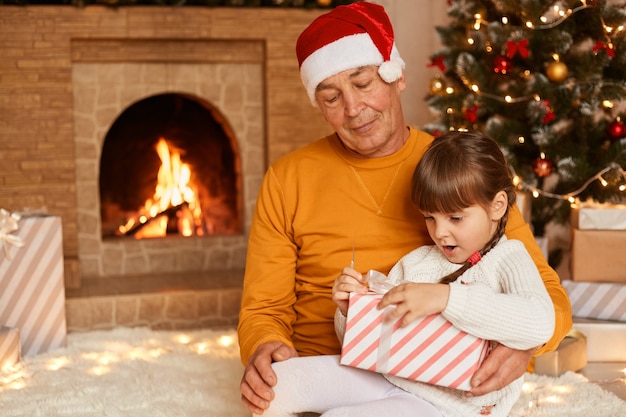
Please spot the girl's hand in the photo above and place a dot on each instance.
(414, 300)
(349, 281)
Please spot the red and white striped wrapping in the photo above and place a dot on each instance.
(597, 300)
(428, 350)
(9, 347)
(32, 293)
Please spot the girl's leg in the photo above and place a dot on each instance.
(319, 383)
(398, 404)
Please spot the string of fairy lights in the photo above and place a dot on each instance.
(571, 197)
(558, 70)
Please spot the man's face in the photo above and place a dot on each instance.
(364, 110)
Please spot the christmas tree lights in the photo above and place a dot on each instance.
(547, 80)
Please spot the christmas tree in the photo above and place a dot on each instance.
(547, 80)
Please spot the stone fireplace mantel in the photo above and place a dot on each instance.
(50, 142)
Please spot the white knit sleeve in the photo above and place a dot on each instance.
(503, 298)
(340, 325)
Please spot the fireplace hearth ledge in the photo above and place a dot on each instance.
(173, 301)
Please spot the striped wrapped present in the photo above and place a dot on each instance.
(9, 347)
(32, 293)
(597, 300)
(429, 350)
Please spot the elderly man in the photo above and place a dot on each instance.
(345, 198)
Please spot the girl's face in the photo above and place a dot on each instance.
(459, 235)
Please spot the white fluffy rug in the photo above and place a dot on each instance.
(139, 372)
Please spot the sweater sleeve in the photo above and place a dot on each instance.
(267, 312)
(518, 314)
(340, 325)
(518, 229)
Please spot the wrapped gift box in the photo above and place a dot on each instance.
(606, 340)
(429, 350)
(598, 255)
(597, 300)
(597, 216)
(571, 355)
(32, 295)
(9, 347)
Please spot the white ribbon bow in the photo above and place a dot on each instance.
(8, 225)
(379, 282)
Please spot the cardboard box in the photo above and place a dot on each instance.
(597, 300)
(606, 340)
(32, 295)
(599, 217)
(429, 350)
(571, 355)
(598, 255)
(10, 352)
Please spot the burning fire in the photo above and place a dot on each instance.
(174, 204)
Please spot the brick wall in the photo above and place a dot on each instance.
(37, 152)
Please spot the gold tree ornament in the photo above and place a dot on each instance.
(557, 71)
(436, 86)
(324, 3)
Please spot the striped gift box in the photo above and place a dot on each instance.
(32, 294)
(429, 350)
(597, 300)
(9, 347)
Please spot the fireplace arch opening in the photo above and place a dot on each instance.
(170, 166)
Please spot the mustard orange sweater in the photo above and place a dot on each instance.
(313, 206)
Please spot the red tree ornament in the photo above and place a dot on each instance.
(471, 114)
(616, 129)
(437, 61)
(542, 166)
(549, 116)
(436, 133)
(501, 65)
(517, 47)
(608, 48)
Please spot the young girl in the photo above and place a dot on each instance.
(478, 280)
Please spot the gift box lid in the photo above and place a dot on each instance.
(597, 216)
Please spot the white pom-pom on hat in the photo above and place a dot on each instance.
(390, 71)
(347, 37)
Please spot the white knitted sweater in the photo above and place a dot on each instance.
(502, 298)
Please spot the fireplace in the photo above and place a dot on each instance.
(79, 70)
(170, 166)
(209, 113)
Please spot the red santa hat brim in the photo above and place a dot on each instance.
(347, 37)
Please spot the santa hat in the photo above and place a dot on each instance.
(347, 37)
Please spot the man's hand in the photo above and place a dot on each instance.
(502, 366)
(259, 377)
